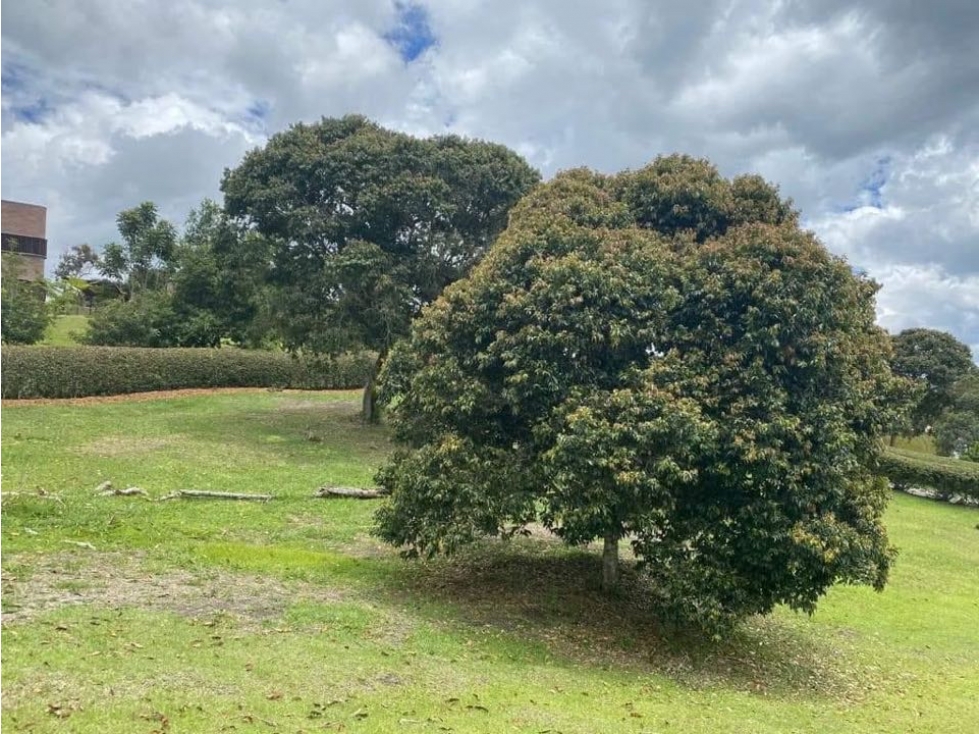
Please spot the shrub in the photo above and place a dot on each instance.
(70, 372)
(947, 477)
(146, 320)
(23, 313)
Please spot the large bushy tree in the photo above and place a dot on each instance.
(367, 225)
(662, 357)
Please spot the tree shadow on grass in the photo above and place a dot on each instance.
(547, 595)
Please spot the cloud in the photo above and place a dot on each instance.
(866, 113)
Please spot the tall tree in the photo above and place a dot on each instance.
(935, 360)
(144, 258)
(712, 390)
(368, 225)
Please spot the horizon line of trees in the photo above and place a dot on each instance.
(334, 236)
(661, 357)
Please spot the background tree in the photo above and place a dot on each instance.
(201, 288)
(710, 387)
(144, 259)
(219, 289)
(23, 311)
(936, 360)
(367, 225)
(80, 261)
(956, 431)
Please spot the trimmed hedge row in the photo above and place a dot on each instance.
(74, 372)
(947, 477)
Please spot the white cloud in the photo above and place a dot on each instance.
(107, 103)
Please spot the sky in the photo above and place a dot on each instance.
(865, 112)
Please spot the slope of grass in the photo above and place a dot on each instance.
(921, 444)
(66, 330)
(123, 614)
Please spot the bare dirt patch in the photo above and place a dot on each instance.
(116, 580)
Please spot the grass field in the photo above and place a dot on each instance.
(127, 615)
(921, 444)
(65, 330)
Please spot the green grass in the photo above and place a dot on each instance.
(65, 330)
(287, 616)
(920, 444)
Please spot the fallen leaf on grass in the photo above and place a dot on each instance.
(56, 709)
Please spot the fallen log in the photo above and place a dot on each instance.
(194, 494)
(351, 493)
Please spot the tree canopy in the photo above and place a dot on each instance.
(367, 225)
(144, 258)
(956, 430)
(662, 357)
(936, 360)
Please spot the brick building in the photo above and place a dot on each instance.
(23, 230)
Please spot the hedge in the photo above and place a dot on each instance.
(72, 372)
(947, 477)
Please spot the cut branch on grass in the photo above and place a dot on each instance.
(128, 492)
(80, 544)
(350, 493)
(194, 494)
(38, 495)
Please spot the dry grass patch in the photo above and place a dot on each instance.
(122, 580)
(115, 446)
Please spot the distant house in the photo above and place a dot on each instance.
(23, 230)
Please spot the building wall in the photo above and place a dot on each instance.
(23, 229)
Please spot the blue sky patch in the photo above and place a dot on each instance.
(259, 110)
(413, 35)
(874, 183)
(871, 191)
(23, 103)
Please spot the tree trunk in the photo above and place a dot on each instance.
(610, 563)
(893, 439)
(370, 411)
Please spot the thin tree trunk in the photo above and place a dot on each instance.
(370, 409)
(893, 439)
(610, 563)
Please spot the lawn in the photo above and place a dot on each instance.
(128, 615)
(65, 330)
